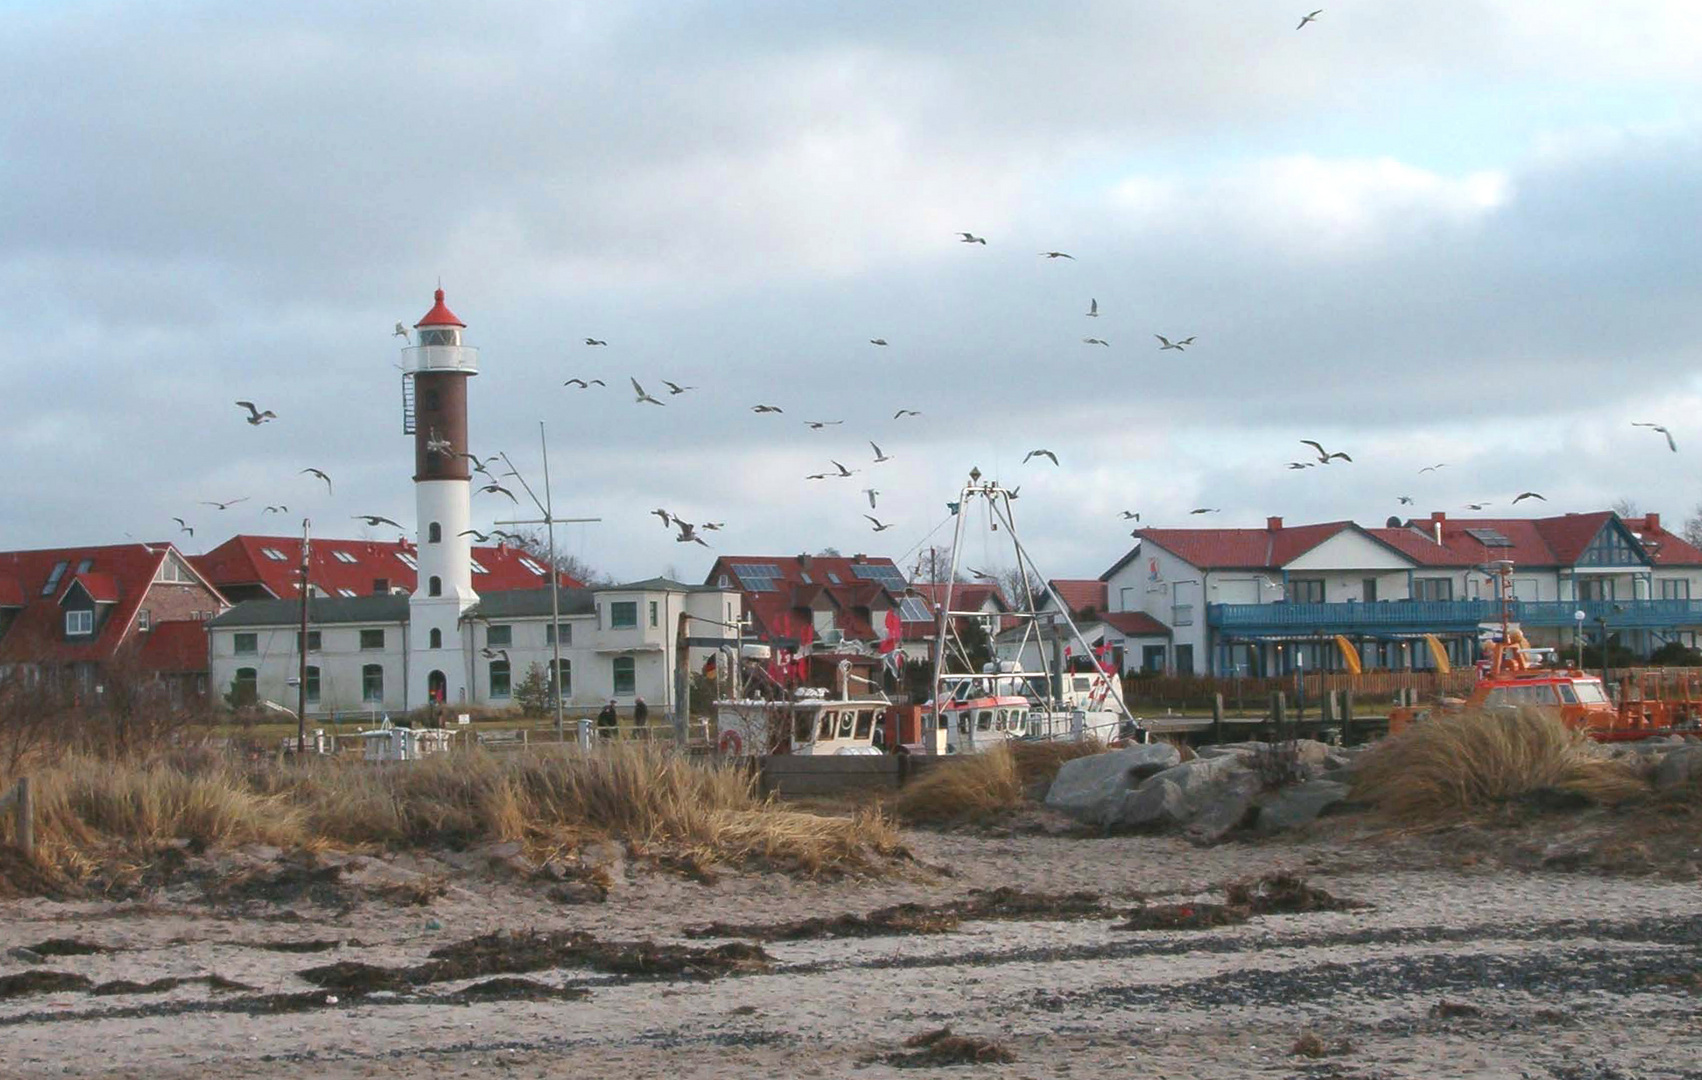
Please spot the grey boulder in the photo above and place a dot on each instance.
(1681, 765)
(1092, 788)
(1298, 804)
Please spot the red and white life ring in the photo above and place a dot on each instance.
(731, 743)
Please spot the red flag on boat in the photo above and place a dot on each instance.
(894, 631)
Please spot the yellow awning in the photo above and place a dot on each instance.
(1350, 655)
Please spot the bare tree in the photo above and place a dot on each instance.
(1018, 585)
(1625, 507)
(1692, 530)
(537, 545)
(933, 566)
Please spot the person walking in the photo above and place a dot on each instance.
(608, 721)
(640, 716)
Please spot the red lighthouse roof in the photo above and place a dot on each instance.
(440, 315)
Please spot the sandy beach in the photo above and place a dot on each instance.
(1457, 965)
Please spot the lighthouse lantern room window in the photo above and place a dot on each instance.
(440, 335)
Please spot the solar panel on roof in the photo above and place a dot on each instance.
(887, 576)
(913, 609)
(758, 577)
(1489, 537)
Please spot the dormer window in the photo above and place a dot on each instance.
(79, 623)
(440, 335)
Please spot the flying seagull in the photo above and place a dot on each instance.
(478, 466)
(766, 408)
(816, 476)
(224, 505)
(817, 425)
(582, 384)
(1166, 343)
(1058, 255)
(491, 654)
(1406, 500)
(982, 574)
(1527, 495)
(1479, 506)
(667, 519)
(1309, 18)
(871, 493)
(902, 413)
(1040, 453)
(1656, 427)
(971, 238)
(594, 341)
(1131, 514)
(436, 444)
(375, 520)
(877, 341)
(400, 331)
(843, 471)
(183, 526)
(1433, 468)
(688, 533)
(1301, 464)
(879, 457)
(497, 489)
(255, 416)
(319, 473)
(713, 526)
(475, 534)
(1206, 510)
(1092, 308)
(280, 509)
(878, 526)
(642, 396)
(676, 388)
(1095, 341)
(1324, 457)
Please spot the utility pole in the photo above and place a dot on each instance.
(301, 650)
(549, 522)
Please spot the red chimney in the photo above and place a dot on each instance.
(1438, 516)
(1651, 521)
(1273, 524)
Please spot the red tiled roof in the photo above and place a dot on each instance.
(11, 591)
(118, 573)
(1666, 548)
(174, 646)
(964, 597)
(1242, 549)
(439, 315)
(101, 587)
(1079, 595)
(1550, 541)
(242, 561)
(802, 579)
(1135, 624)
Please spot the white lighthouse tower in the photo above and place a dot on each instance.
(439, 366)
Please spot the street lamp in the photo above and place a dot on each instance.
(1578, 636)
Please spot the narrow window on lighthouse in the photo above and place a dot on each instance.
(435, 587)
(437, 639)
(434, 533)
(432, 403)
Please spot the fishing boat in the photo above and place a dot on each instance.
(769, 716)
(976, 710)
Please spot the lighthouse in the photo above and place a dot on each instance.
(439, 365)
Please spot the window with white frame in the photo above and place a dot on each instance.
(79, 622)
(245, 644)
(274, 554)
(344, 557)
(477, 569)
(1675, 588)
(532, 566)
(144, 619)
(408, 560)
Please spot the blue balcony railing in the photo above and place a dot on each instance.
(1450, 615)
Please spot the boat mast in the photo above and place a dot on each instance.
(945, 609)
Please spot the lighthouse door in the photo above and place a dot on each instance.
(437, 687)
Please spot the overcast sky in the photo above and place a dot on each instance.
(1448, 231)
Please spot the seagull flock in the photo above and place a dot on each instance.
(688, 532)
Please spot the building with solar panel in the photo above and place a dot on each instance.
(1403, 596)
(838, 603)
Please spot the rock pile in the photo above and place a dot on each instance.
(1263, 786)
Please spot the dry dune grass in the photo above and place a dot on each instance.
(986, 784)
(92, 811)
(1453, 765)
